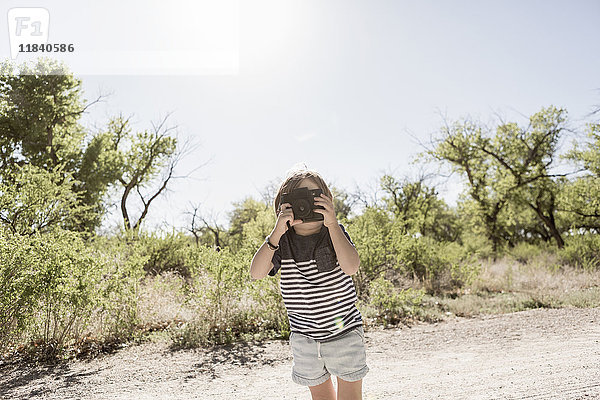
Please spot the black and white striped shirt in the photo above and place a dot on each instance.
(318, 295)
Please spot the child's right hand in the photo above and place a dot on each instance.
(285, 214)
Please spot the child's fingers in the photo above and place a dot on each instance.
(325, 196)
(323, 204)
(322, 200)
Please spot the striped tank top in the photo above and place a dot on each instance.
(319, 297)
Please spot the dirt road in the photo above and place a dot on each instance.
(536, 354)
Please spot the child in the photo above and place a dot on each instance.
(316, 260)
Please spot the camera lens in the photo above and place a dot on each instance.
(303, 208)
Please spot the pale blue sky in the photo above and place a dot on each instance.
(344, 84)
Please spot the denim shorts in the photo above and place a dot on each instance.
(315, 361)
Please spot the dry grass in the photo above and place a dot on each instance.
(508, 285)
(503, 286)
(161, 299)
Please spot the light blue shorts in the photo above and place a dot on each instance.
(315, 361)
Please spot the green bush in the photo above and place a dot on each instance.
(375, 235)
(19, 285)
(581, 251)
(524, 252)
(462, 263)
(441, 266)
(394, 305)
(117, 314)
(228, 304)
(54, 287)
(49, 286)
(166, 253)
(477, 244)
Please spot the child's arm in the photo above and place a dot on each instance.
(261, 262)
(346, 253)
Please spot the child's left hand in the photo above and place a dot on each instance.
(328, 213)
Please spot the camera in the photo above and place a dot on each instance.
(303, 204)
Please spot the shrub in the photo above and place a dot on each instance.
(117, 314)
(441, 266)
(477, 244)
(49, 286)
(375, 235)
(581, 251)
(55, 286)
(228, 304)
(166, 253)
(394, 305)
(524, 252)
(19, 285)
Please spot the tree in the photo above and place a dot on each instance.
(419, 209)
(35, 200)
(511, 166)
(40, 106)
(342, 203)
(243, 213)
(208, 230)
(139, 160)
(581, 197)
(459, 147)
(525, 157)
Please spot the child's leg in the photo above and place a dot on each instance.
(349, 390)
(324, 391)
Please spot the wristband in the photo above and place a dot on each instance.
(268, 242)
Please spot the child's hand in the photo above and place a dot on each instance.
(328, 213)
(285, 214)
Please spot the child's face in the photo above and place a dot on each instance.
(310, 185)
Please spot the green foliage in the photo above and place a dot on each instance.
(219, 280)
(508, 168)
(49, 285)
(580, 198)
(33, 199)
(582, 251)
(124, 269)
(589, 155)
(19, 285)
(166, 252)
(255, 231)
(228, 304)
(441, 266)
(394, 305)
(374, 234)
(244, 212)
(341, 203)
(54, 139)
(54, 136)
(419, 210)
(135, 161)
(54, 286)
(524, 252)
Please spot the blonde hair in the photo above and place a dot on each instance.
(294, 176)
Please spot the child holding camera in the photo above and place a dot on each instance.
(316, 257)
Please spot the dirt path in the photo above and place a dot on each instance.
(537, 354)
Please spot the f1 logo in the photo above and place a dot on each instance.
(27, 25)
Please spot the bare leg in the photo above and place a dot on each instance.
(324, 391)
(349, 390)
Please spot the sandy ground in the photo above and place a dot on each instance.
(536, 354)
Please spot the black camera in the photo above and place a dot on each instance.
(303, 204)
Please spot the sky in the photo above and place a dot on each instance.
(351, 88)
